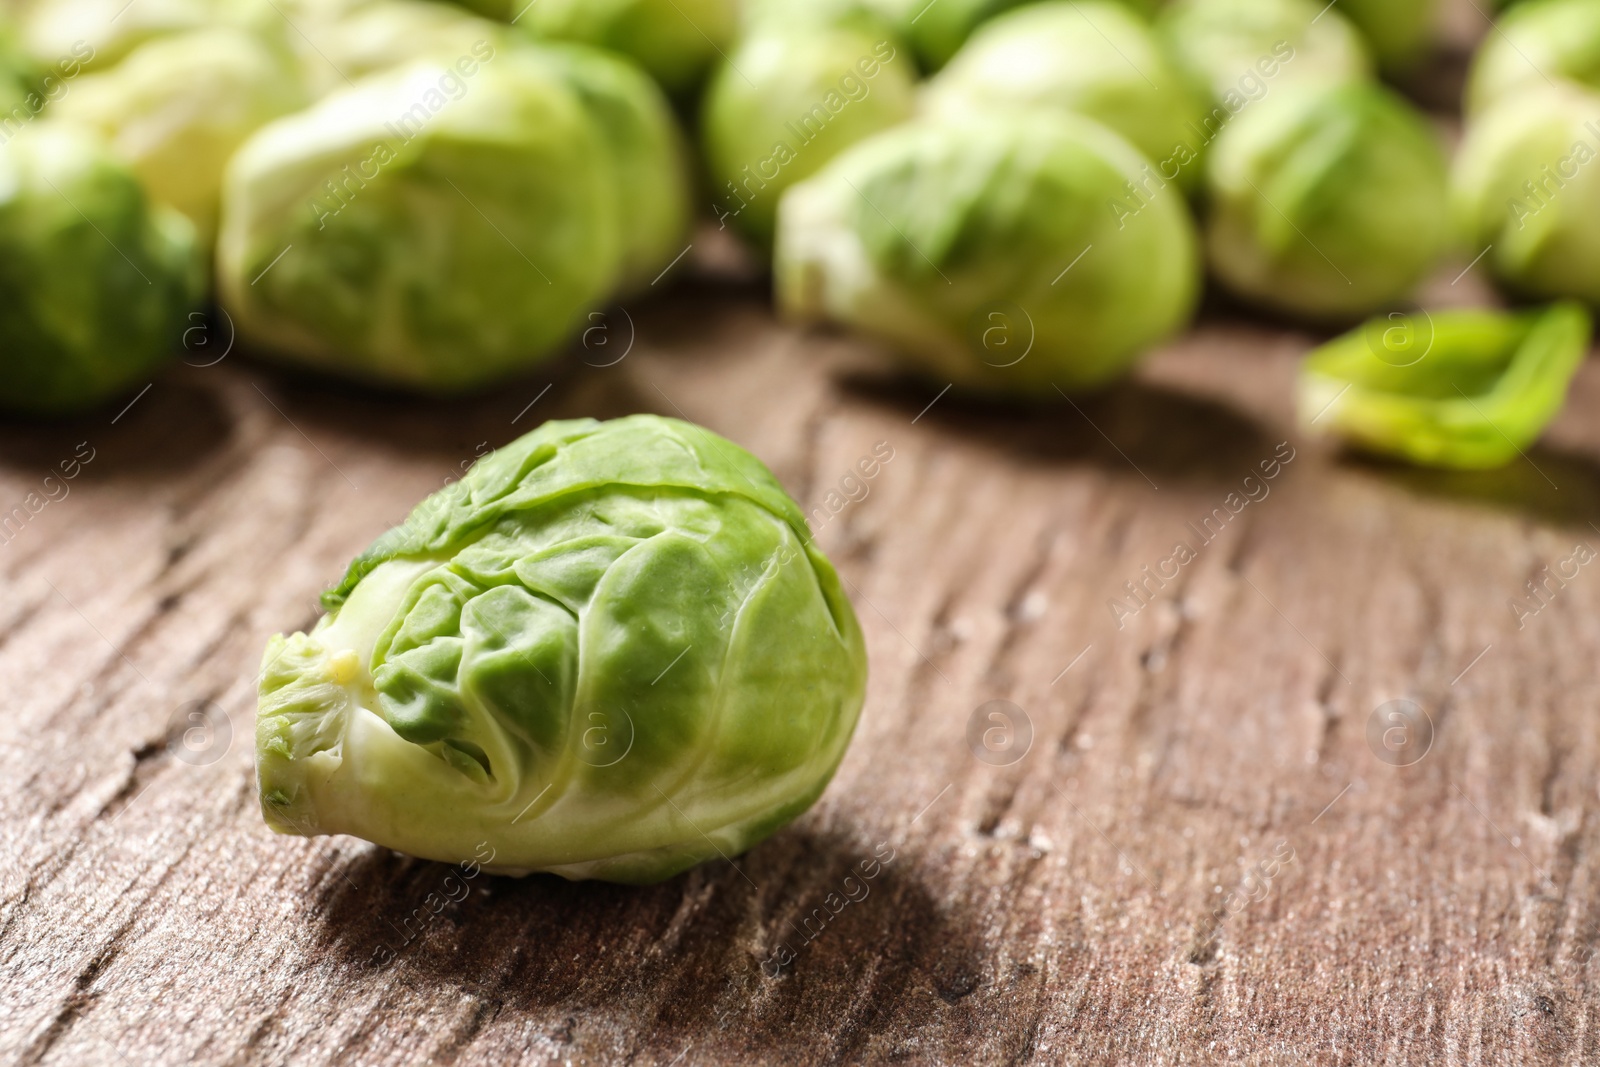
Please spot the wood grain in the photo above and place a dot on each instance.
(1199, 858)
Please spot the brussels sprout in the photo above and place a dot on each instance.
(1326, 202)
(28, 87)
(648, 155)
(97, 282)
(18, 76)
(1094, 58)
(676, 41)
(789, 100)
(609, 652)
(1465, 389)
(1010, 254)
(341, 41)
(177, 107)
(1540, 42)
(936, 30)
(1241, 49)
(1397, 30)
(1527, 189)
(95, 34)
(434, 227)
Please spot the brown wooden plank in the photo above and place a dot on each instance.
(1065, 908)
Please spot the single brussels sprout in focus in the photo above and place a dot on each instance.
(1540, 42)
(1236, 51)
(434, 227)
(1008, 254)
(1398, 30)
(1464, 389)
(787, 101)
(648, 154)
(1527, 188)
(177, 107)
(97, 282)
(675, 41)
(610, 651)
(1326, 202)
(1093, 58)
(345, 40)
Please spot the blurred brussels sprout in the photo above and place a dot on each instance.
(609, 652)
(18, 76)
(1466, 389)
(177, 107)
(1539, 41)
(1234, 50)
(434, 227)
(98, 282)
(94, 34)
(28, 87)
(1526, 183)
(936, 31)
(787, 101)
(341, 41)
(649, 157)
(1008, 254)
(1397, 30)
(676, 41)
(1326, 201)
(1095, 58)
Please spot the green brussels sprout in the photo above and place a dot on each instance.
(341, 41)
(789, 100)
(1326, 201)
(27, 86)
(1465, 389)
(648, 153)
(1398, 30)
(676, 41)
(1527, 189)
(984, 252)
(1540, 41)
(936, 31)
(177, 107)
(1094, 58)
(18, 74)
(610, 651)
(1238, 50)
(433, 227)
(98, 282)
(95, 34)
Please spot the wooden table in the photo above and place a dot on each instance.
(1327, 798)
(1207, 852)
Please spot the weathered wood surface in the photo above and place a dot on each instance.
(1091, 902)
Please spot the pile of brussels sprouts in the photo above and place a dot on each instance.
(1018, 198)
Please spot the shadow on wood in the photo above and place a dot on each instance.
(1557, 487)
(1133, 430)
(168, 431)
(796, 936)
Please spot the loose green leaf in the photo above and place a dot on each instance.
(1463, 389)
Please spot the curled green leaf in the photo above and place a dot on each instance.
(1465, 389)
